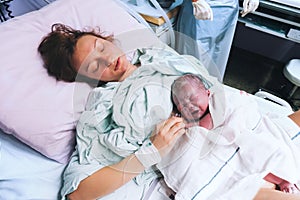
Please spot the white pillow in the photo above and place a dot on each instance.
(34, 107)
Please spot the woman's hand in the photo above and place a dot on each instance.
(167, 133)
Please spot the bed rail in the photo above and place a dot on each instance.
(273, 98)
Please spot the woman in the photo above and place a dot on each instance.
(96, 57)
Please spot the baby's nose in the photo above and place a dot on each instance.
(190, 106)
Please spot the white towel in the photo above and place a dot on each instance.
(234, 169)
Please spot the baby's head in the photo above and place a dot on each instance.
(190, 97)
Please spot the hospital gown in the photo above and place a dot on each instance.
(120, 116)
(230, 161)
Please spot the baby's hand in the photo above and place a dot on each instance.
(289, 187)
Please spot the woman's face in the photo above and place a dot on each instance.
(99, 59)
(191, 102)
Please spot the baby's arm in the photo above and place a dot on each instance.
(288, 187)
(284, 185)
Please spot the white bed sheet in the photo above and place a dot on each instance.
(25, 173)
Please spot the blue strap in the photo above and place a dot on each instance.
(295, 136)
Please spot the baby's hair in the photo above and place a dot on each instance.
(191, 79)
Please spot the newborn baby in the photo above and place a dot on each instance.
(192, 101)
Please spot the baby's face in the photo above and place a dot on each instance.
(191, 102)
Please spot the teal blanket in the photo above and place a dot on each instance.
(120, 116)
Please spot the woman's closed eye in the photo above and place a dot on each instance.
(99, 46)
(93, 67)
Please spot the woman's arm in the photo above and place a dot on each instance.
(107, 179)
(110, 178)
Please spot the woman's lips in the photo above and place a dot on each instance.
(117, 66)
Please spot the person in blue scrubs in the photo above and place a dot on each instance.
(206, 30)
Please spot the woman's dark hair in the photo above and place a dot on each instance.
(57, 49)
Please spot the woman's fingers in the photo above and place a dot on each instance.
(178, 129)
(171, 122)
(180, 132)
(167, 134)
(171, 128)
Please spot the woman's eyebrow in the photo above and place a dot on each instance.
(95, 46)
(95, 43)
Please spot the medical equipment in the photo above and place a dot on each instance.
(38, 114)
(292, 72)
(148, 155)
(276, 17)
(272, 31)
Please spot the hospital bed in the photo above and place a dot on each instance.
(37, 113)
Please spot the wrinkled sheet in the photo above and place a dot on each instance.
(121, 116)
(230, 161)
